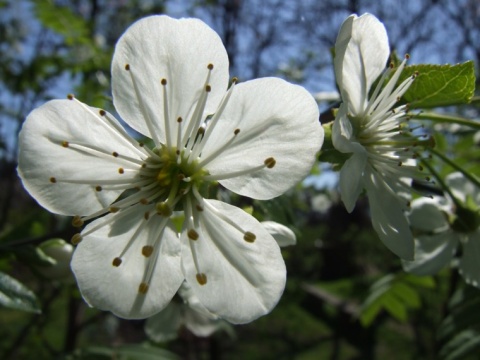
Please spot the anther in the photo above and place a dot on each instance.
(164, 82)
(210, 66)
(198, 207)
(98, 188)
(192, 234)
(208, 88)
(146, 216)
(270, 162)
(407, 56)
(236, 131)
(179, 120)
(163, 209)
(121, 171)
(249, 237)
(76, 239)
(114, 154)
(116, 262)
(53, 180)
(70, 96)
(141, 144)
(113, 209)
(65, 144)
(102, 112)
(234, 80)
(143, 288)
(77, 221)
(147, 250)
(143, 201)
(127, 67)
(202, 279)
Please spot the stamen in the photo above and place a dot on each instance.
(220, 150)
(201, 278)
(192, 234)
(211, 124)
(116, 262)
(147, 250)
(76, 239)
(100, 153)
(163, 209)
(197, 116)
(249, 237)
(268, 163)
(77, 221)
(143, 108)
(143, 288)
(166, 116)
(179, 134)
(53, 180)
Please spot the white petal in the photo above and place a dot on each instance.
(427, 215)
(159, 47)
(462, 187)
(116, 288)
(191, 300)
(362, 60)
(341, 43)
(342, 132)
(388, 218)
(42, 156)
(282, 234)
(244, 280)
(276, 119)
(165, 325)
(200, 324)
(469, 263)
(432, 253)
(351, 184)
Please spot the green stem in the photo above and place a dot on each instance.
(454, 165)
(439, 118)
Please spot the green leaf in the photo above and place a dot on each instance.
(439, 85)
(395, 294)
(465, 343)
(15, 295)
(63, 21)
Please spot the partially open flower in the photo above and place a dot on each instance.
(372, 128)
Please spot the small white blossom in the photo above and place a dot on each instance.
(170, 83)
(438, 238)
(370, 127)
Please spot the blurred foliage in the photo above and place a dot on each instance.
(346, 296)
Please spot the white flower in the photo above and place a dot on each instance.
(370, 128)
(439, 237)
(170, 83)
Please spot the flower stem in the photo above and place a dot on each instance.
(439, 118)
(457, 167)
(442, 183)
